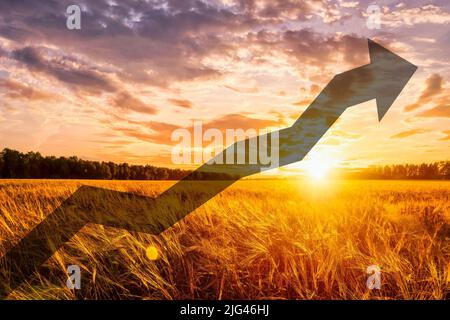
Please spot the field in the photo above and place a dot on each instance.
(258, 239)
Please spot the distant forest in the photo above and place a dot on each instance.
(32, 165)
(433, 171)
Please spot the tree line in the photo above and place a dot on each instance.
(32, 165)
(434, 171)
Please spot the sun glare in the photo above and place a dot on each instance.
(318, 168)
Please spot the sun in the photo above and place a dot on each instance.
(318, 168)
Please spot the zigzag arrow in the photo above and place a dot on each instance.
(382, 79)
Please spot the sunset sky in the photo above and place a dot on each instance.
(137, 70)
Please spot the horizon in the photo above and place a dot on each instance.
(319, 172)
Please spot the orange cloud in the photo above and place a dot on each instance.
(181, 103)
(154, 132)
(447, 133)
(17, 90)
(239, 121)
(127, 102)
(408, 133)
(440, 111)
(432, 89)
(160, 133)
(304, 102)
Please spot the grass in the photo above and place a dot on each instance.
(256, 240)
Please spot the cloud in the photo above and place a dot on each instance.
(152, 131)
(433, 88)
(17, 90)
(63, 69)
(154, 43)
(125, 101)
(447, 137)
(408, 133)
(167, 41)
(435, 93)
(306, 46)
(313, 91)
(246, 90)
(160, 132)
(429, 14)
(440, 111)
(278, 10)
(301, 103)
(239, 121)
(181, 103)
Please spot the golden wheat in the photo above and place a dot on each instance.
(256, 240)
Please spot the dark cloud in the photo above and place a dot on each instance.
(156, 42)
(76, 76)
(306, 46)
(433, 88)
(436, 94)
(127, 102)
(162, 42)
(276, 10)
(28, 56)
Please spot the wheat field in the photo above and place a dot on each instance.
(259, 239)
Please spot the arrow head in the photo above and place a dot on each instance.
(392, 72)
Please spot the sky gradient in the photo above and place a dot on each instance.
(137, 70)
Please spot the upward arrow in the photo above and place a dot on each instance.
(382, 79)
